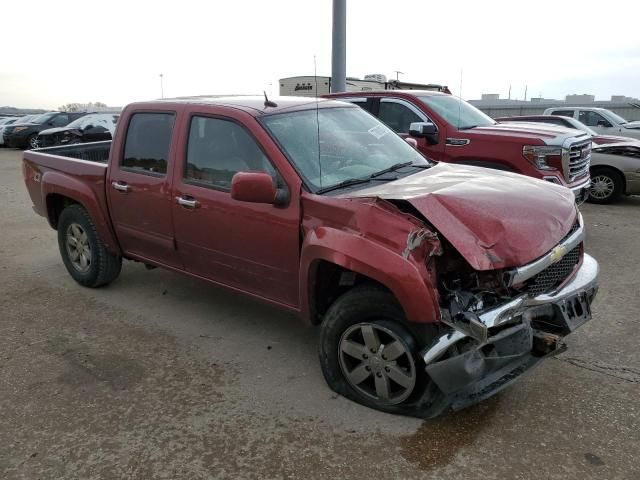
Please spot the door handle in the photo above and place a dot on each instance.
(121, 187)
(188, 202)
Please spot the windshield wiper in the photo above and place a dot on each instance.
(393, 167)
(467, 127)
(373, 177)
(353, 181)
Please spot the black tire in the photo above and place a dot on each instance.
(103, 267)
(32, 141)
(607, 186)
(369, 304)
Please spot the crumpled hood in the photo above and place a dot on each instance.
(494, 219)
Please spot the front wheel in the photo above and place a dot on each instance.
(369, 356)
(606, 186)
(33, 142)
(84, 255)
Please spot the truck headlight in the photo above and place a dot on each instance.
(540, 155)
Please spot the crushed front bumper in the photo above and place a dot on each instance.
(520, 334)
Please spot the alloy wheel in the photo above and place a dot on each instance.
(602, 187)
(78, 248)
(377, 363)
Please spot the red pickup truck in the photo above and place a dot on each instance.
(434, 285)
(449, 129)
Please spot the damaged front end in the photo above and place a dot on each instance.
(501, 324)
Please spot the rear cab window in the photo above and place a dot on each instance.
(147, 144)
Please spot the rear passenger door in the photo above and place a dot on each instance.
(139, 188)
(250, 246)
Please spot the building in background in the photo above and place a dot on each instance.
(494, 106)
(305, 86)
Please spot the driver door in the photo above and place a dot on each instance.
(598, 122)
(249, 246)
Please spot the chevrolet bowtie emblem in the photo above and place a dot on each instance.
(557, 253)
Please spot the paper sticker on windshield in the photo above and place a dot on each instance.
(378, 131)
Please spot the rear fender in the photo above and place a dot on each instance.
(55, 183)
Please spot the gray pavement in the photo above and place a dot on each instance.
(161, 376)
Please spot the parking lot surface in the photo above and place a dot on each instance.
(162, 376)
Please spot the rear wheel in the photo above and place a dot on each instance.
(368, 355)
(84, 255)
(607, 186)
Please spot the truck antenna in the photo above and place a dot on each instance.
(267, 102)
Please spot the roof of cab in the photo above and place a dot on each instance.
(254, 104)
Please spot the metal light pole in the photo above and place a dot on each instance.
(339, 47)
(161, 87)
(398, 73)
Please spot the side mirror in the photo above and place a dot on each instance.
(603, 123)
(257, 187)
(426, 130)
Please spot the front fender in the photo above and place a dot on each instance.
(56, 183)
(407, 280)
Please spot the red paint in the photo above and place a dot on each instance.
(499, 146)
(272, 251)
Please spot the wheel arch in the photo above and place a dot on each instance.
(330, 255)
(60, 191)
(596, 168)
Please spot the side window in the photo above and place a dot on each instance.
(218, 149)
(146, 148)
(593, 119)
(397, 116)
(60, 120)
(563, 113)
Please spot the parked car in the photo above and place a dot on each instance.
(449, 129)
(5, 122)
(435, 285)
(615, 171)
(615, 161)
(567, 122)
(603, 121)
(25, 134)
(94, 127)
(12, 122)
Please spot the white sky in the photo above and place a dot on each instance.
(57, 52)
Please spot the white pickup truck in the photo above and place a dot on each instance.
(601, 120)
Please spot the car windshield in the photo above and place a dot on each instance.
(581, 126)
(616, 118)
(41, 118)
(457, 112)
(341, 145)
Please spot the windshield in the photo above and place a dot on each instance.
(42, 118)
(352, 145)
(616, 118)
(581, 126)
(457, 112)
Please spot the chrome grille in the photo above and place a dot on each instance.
(553, 276)
(579, 160)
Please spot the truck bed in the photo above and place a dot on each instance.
(77, 172)
(91, 152)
